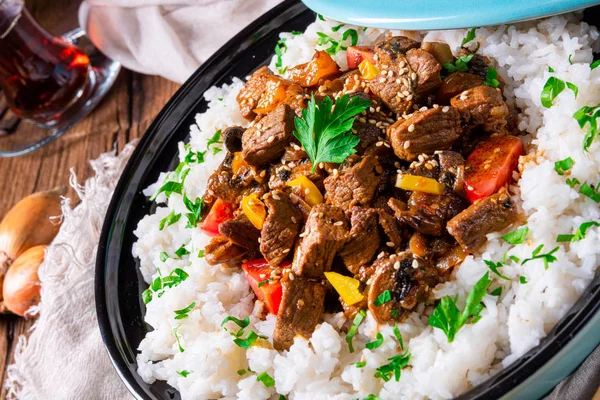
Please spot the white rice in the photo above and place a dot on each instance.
(322, 367)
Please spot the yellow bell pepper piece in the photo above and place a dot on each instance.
(311, 193)
(419, 184)
(238, 162)
(346, 287)
(255, 210)
(368, 70)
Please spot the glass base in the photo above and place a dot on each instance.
(103, 74)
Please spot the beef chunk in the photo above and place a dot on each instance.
(240, 231)
(355, 185)
(428, 71)
(282, 174)
(221, 250)
(390, 49)
(425, 132)
(451, 171)
(478, 65)
(229, 187)
(325, 232)
(364, 239)
(429, 213)
(485, 216)
(368, 134)
(391, 228)
(482, 106)
(302, 305)
(456, 83)
(266, 140)
(280, 228)
(250, 94)
(232, 138)
(409, 281)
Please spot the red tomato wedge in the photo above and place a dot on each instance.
(269, 292)
(490, 166)
(356, 54)
(220, 212)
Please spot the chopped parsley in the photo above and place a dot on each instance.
(398, 336)
(376, 343)
(321, 17)
(394, 368)
(181, 251)
(550, 69)
(569, 59)
(461, 64)
(590, 191)
(552, 88)
(447, 316)
(595, 64)
(588, 115)
(383, 298)
(201, 253)
(262, 283)
(168, 188)
(183, 373)
(220, 99)
(493, 266)
(522, 280)
(516, 237)
(280, 48)
(168, 220)
(537, 254)
(497, 291)
(164, 256)
(159, 284)
(241, 372)
(194, 208)
(183, 313)
(572, 182)
(573, 88)
(296, 33)
(194, 157)
(579, 234)
(490, 78)
(361, 364)
(337, 27)
(241, 323)
(372, 397)
(326, 135)
(266, 379)
(337, 46)
(247, 342)
(515, 259)
(563, 166)
(470, 36)
(215, 140)
(358, 319)
(181, 349)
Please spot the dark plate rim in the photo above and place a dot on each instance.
(498, 385)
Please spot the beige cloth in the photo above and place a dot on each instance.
(170, 38)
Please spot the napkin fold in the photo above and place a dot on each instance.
(170, 38)
(64, 356)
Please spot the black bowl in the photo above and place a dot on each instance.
(119, 283)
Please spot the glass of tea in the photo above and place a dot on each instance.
(44, 79)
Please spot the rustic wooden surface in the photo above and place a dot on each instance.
(122, 116)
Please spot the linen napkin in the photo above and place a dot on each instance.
(64, 357)
(170, 38)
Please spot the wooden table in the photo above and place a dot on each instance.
(121, 117)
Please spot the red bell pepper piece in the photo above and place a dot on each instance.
(490, 166)
(220, 212)
(258, 273)
(356, 54)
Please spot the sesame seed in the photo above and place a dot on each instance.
(401, 64)
(276, 197)
(380, 255)
(390, 244)
(424, 108)
(406, 93)
(415, 264)
(306, 191)
(372, 121)
(445, 109)
(338, 223)
(271, 139)
(363, 120)
(291, 276)
(381, 80)
(379, 144)
(409, 98)
(263, 173)
(294, 220)
(411, 128)
(286, 251)
(371, 109)
(413, 76)
(406, 144)
(397, 265)
(397, 164)
(436, 106)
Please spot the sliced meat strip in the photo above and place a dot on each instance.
(408, 281)
(390, 49)
(355, 185)
(483, 217)
(250, 94)
(240, 231)
(482, 106)
(302, 305)
(364, 239)
(325, 232)
(428, 71)
(429, 213)
(266, 140)
(425, 132)
(221, 250)
(280, 228)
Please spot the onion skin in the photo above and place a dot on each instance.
(22, 285)
(28, 224)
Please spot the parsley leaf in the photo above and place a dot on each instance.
(280, 48)
(516, 237)
(242, 323)
(383, 298)
(183, 313)
(320, 16)
(337, 27)
(248, 341)
(201, 253)
(194, 157)
(159, 284)
(398, 336)
(497, 291)
(266, 379)
(358, 319)
(147, 296)
(168, 188)
(588, 115)
(522, 280)
(376, 343)
(181, 251)
(181, 349)
(447, 316)
(552, 88)
(194, 208)
(547, 258)
(595, 64)
(296, 33)
(394, 367)
(164, 256)
(241, 372)
(563, 166)
(470, 36)
(493, 266)
(215, 139)
(490, 78)
(334, 45)
(360, 364)
(579, 234)
(325, 134)
(572, 182)
(460, 65)
(569, 59)
(183, 373)
(573, 88)
(590, 192)
(550, 69)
